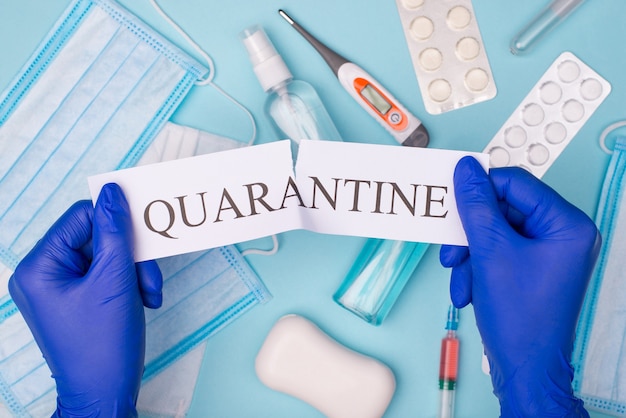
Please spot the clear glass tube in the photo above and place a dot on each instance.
(378, 276)
(547, 19)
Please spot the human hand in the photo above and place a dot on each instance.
(82, 296)
(526, 270)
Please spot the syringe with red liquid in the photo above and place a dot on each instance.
(448, 365)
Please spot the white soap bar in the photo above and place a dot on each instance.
(299, 359)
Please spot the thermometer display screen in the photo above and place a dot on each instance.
(375, 99)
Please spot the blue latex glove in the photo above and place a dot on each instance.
(82, 296)
(530, 257)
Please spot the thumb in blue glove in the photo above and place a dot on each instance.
(82, 296)
(526, 270)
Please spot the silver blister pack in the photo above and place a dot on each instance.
(448, 54)
(549, 117)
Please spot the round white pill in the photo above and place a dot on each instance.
(439, 90)
(430, 59)
(538, 154)
(533, 114)
(499, 157)
(555, 132)
(412, 4)
(568, 71)
(467, 49)
(422, 28)
(459, 18)
(591, 89)
(476, 79)
(550, 93)
(573, 110)
(515, 136)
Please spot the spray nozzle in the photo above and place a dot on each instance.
(267, 63)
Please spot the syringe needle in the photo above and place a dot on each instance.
(448, 366)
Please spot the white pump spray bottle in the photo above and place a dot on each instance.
(293, 105)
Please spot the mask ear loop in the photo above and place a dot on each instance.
(209, 81)
(255, 251)
(606, 132)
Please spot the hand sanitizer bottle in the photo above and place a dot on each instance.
(293, 105)
(378, 276)
(381, 271)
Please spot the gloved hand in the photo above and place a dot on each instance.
(530, 257)
(81, 294)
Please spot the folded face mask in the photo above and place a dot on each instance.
(203, 293)
(599, 357)
(169, 393)
(90, 100)
(177, 141)
(26, 388)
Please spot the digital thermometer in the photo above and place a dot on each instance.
(370, 94)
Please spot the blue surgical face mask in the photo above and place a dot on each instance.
(26, 388)
(599, 358)
(90, 100)
(177, 141)
(202, 293)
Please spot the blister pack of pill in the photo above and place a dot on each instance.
(448, 54)
(549, 117)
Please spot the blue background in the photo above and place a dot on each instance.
(309, 267)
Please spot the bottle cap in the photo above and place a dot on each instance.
(268, 65)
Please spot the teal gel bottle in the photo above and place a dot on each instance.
(378, 276)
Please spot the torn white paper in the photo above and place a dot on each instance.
(379, 191)
(207, 201)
